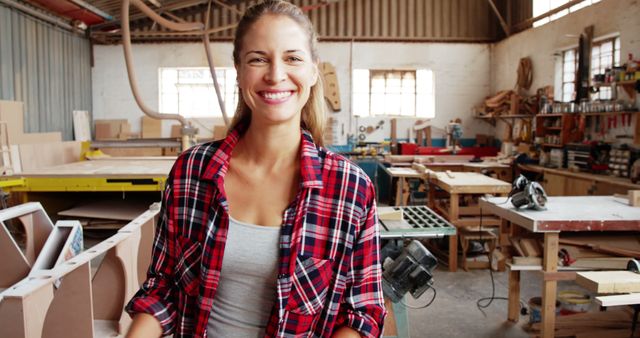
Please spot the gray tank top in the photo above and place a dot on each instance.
(247, 289)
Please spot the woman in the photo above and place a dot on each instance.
(265, 233)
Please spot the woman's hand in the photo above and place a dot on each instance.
(145, 325)
(346, 332)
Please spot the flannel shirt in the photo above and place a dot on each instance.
(329, 272)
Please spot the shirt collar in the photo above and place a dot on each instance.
(310, 164)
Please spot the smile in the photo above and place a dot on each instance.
(276, 95)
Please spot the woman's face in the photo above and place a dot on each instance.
(276, 70)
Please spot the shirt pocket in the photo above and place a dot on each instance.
(310, 285)
(188, 267)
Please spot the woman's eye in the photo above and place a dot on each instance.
(294, 59)
(257, 60)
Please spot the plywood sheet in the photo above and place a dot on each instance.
(35, 138)
(609, 281)
(81, 125)
(41, 155)
(569, 213)
(105, 168)
(11, 112)
(116, 210)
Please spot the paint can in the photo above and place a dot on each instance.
(535, 309)
(574, 301)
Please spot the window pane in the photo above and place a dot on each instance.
(190, 91)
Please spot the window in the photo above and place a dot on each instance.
(569, 70)
(542, 6)
(605, 54)
(189, 91)
(393, 93)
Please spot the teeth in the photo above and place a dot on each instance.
(276, 96)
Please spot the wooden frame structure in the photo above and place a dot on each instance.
(77, 299)
(563, 214)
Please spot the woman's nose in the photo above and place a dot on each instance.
(276, 73)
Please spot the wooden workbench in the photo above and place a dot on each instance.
(457, 184)
(401, 174)
(570, 213)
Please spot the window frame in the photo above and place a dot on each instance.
(597, 43)
(228, 76)
(423, 85)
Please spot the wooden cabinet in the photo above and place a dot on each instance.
(553, 184)
(558, 182)
(557, 130)
(606, 188)
(579, 187)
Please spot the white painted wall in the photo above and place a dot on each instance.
(543, 44)
(462, 79)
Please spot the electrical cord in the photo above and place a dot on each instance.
(488, 300)
(424, 306)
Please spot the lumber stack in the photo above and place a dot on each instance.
(508, 102)
(581, 252)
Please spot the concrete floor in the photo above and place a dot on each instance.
(454, 312)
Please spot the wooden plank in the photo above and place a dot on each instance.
(124, 210)
(609, 281)
(473, 223)
(515, 243)
(524, 260)
(530, 247)
(559, 275)
(514, 296)
(617, 300)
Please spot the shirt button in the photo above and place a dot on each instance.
(282, 275)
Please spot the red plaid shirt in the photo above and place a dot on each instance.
(329, 270)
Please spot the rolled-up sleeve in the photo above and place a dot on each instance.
(156, 295)
(362, 308)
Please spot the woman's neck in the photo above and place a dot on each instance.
(271, 147)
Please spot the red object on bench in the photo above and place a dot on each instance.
(414, 149)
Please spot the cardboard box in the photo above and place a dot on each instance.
(176, 131)
(117, 129)
(151, 128)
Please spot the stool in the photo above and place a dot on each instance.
(483, 235)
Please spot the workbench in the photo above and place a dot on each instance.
(134, 181)
(570, 213)
(402, 174)
(457, 185)
(109, 174)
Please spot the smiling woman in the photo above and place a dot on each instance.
(266, 233)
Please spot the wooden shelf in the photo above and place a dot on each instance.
(520, 116)
(552, 145)
(550, 115)
(553, 128)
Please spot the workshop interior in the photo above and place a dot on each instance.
(502, 138)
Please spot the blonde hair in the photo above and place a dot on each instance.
(312, 118)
